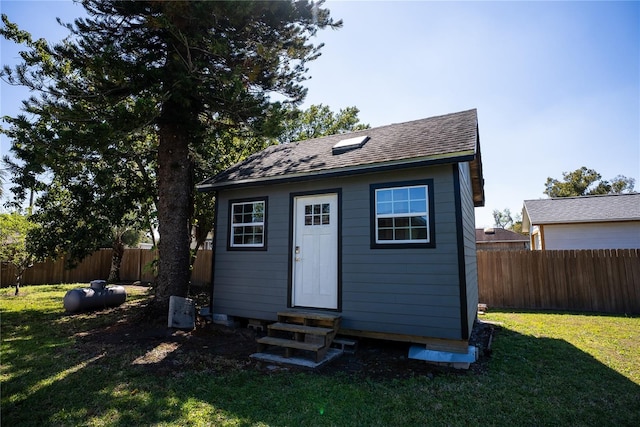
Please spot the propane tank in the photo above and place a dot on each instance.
(98, 295)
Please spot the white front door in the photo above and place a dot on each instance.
(315, 251)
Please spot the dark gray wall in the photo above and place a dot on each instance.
(411, 291)
(469, 242)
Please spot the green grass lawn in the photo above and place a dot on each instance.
(546, 369)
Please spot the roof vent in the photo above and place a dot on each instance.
(349, 144)
(489, 230)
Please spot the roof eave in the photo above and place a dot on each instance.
(477, 177)
(501, 241)
(581, 221)
(462, 156)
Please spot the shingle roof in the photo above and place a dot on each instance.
(605, 208)
(499, 235)
(448, 138)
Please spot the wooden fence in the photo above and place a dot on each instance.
(605, 281)
(135, 266)
(600, 280)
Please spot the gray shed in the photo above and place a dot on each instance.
(376, 226)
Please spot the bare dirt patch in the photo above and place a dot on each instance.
(145, 341)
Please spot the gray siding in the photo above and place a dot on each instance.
(470, 260)
(413, 291)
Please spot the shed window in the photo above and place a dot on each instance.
(248, 224)
(401, 215)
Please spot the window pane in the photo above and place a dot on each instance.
(308, 209)
(418, 221)
(258, 213)
(384, 208)
(325, 219)
(402, 234)
(237, 209)
(418, 193)
(316, 220)
(402, 222)
(400, 207)
(325, 208)
(385, 234)
(418, 206)
(384, 195)
(400, 194)
(418, 234)
(308, 220)
(385, 222)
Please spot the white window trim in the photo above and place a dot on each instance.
(402, 215)
(262, 223)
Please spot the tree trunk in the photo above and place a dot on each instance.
(117, 252)
(19, 272)
(175, 186)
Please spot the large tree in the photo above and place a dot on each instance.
(587, 182)
(179, 67)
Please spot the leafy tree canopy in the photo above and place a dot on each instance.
(192, 72)
(318, 120)
(504, 219)
(587, 182)
(14, 229)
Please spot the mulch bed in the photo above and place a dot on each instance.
(147, 342)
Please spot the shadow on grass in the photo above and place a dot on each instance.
(55, 380)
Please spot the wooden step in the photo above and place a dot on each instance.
(292, 327)
(306, 318)
(319, 349)
(307, 315)
(310, 331)
(283, 342)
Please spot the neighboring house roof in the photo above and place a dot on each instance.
(561, 210)
(495, 235)
(443, 139)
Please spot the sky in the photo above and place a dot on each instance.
(556, 84)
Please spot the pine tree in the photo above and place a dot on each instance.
(180, 68)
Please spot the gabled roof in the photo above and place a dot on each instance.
(604, 208)
(484, 235)
(450, 138)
